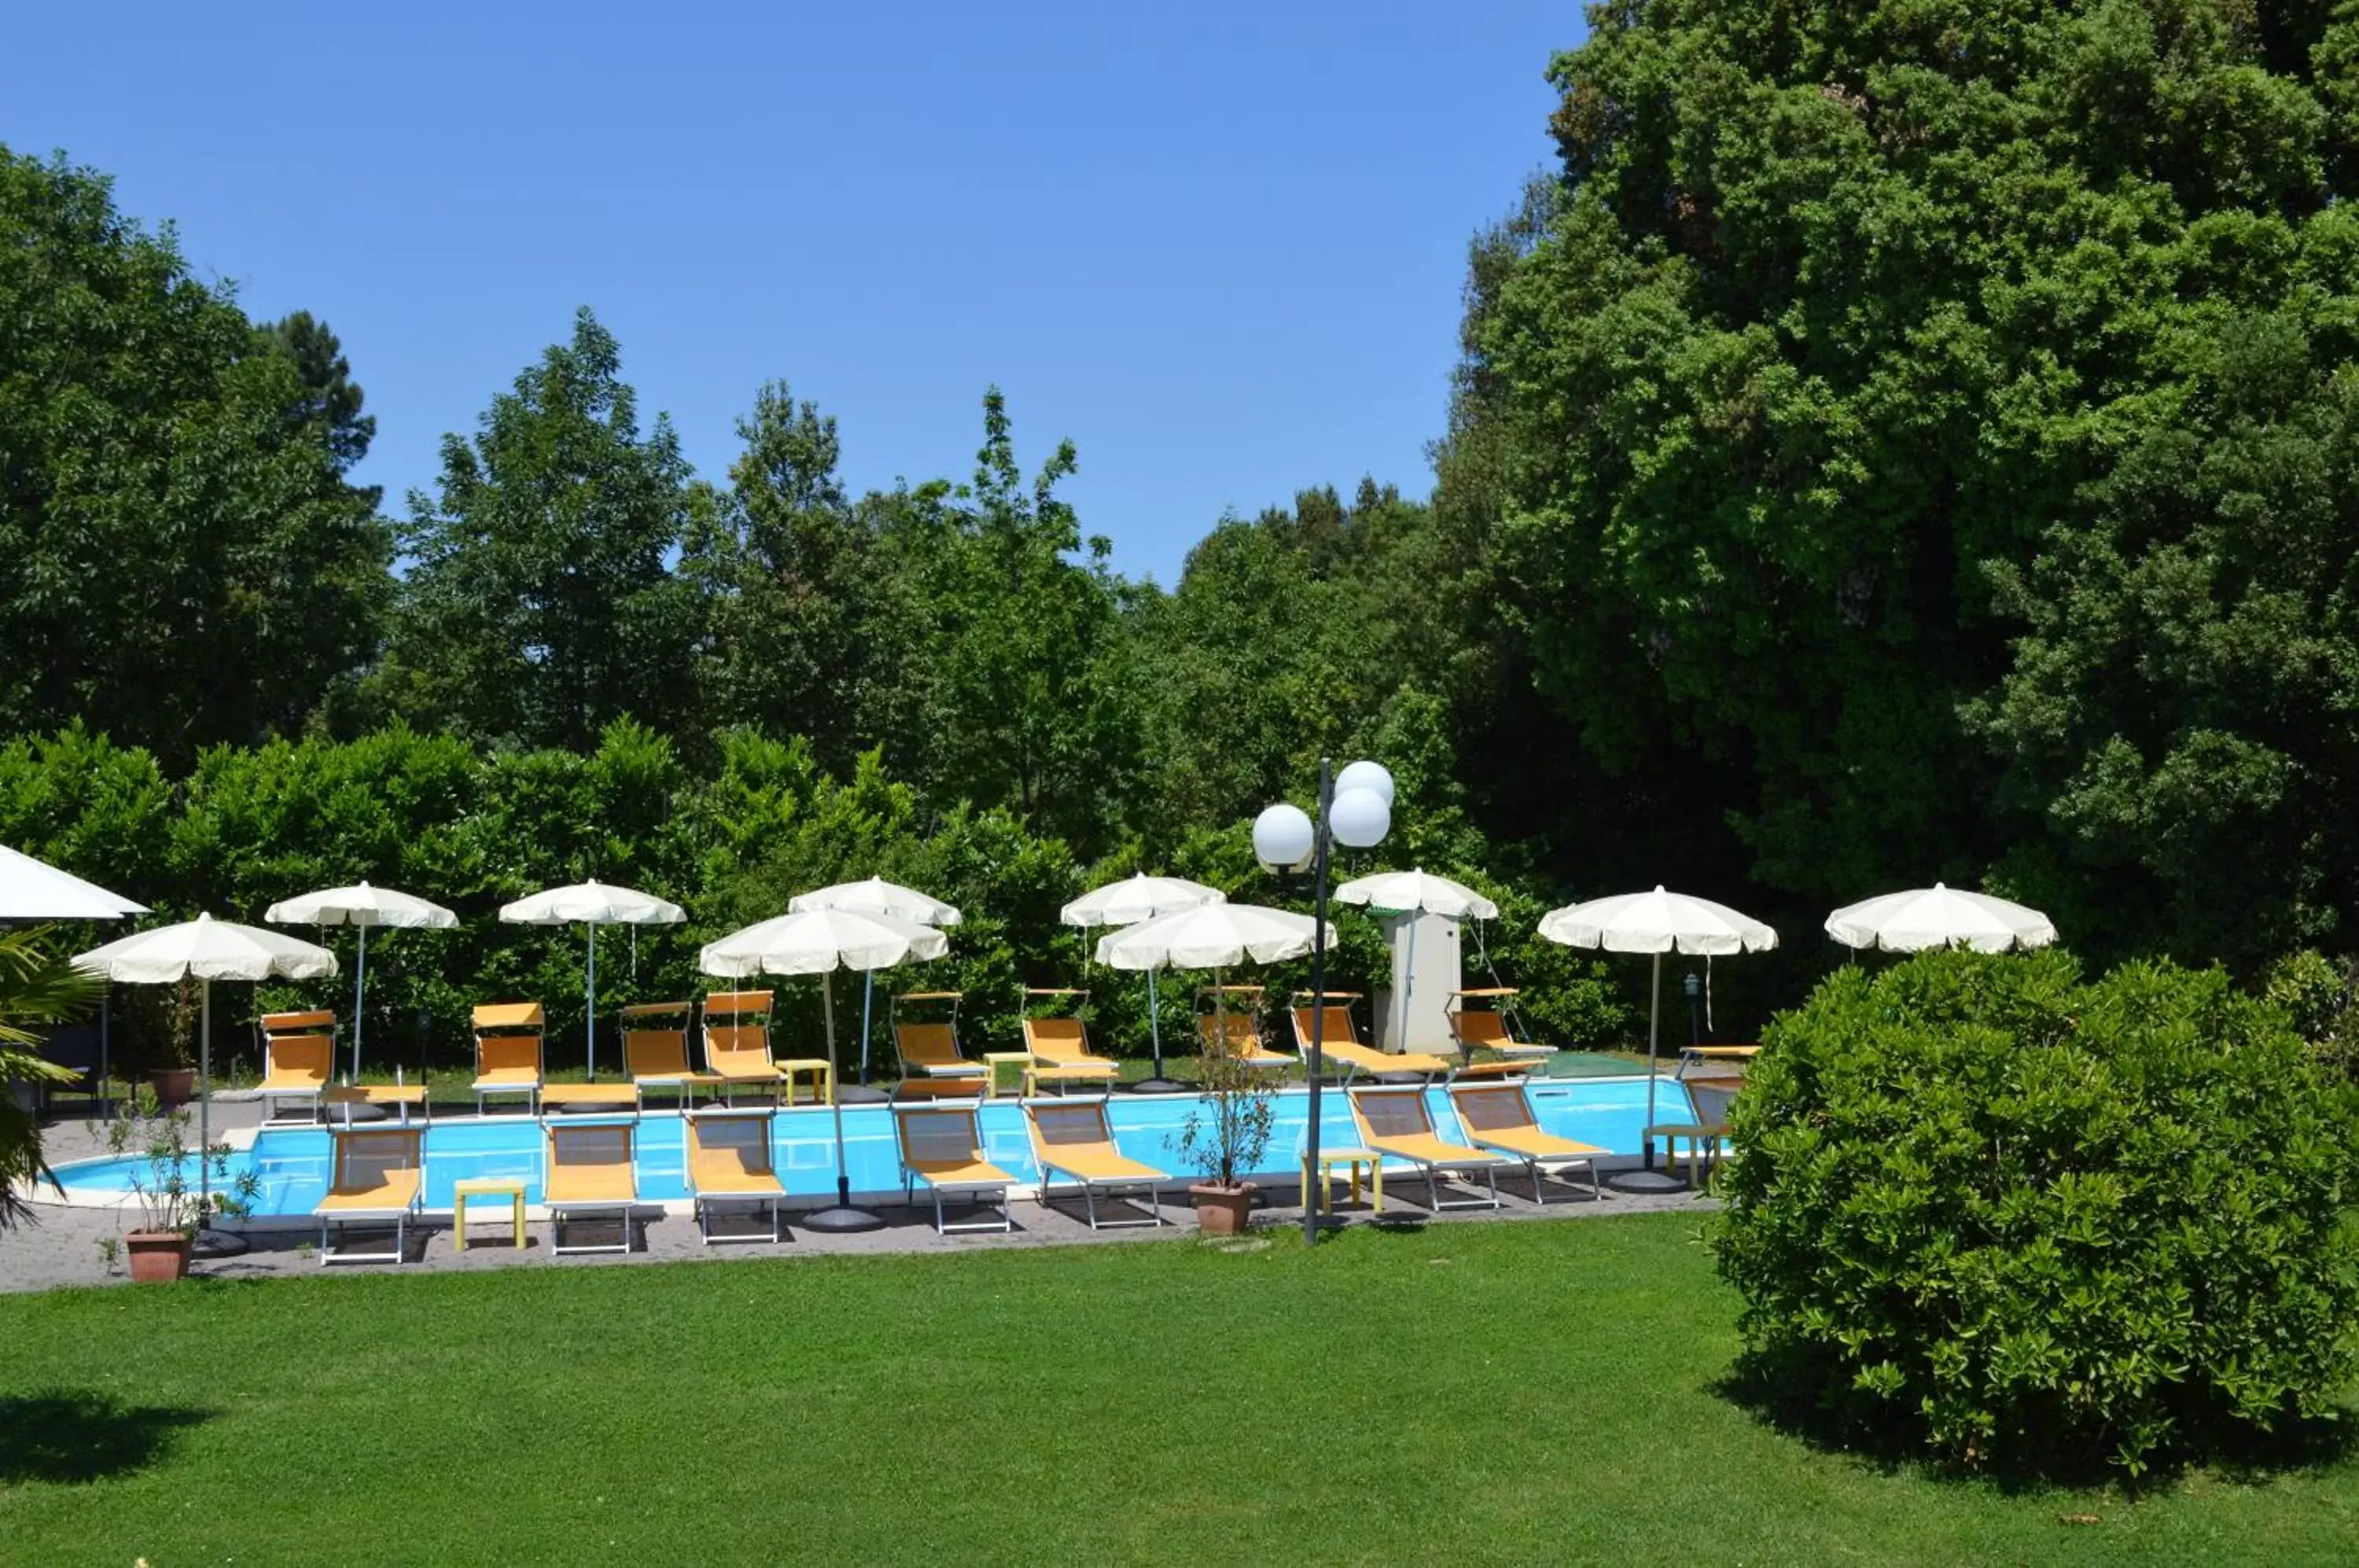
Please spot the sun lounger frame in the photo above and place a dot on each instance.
(1530, 1161)
(285, 1029)
(400, 1215)
(1091, 1186)
(1449, 1164)
(562, 1210)
(975, 1189)
(703, 1200)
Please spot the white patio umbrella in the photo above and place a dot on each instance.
(362, 906)
(1128, 902)
(876, 896)
(33, 890)
(1412, 893)
(593, 904)
(1657, 922)
(1939, 917)
(211, 950)
(1214, 937)
(820, 942)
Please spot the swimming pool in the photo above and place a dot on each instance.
(291, 1162)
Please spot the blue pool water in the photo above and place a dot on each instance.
(292, 1162)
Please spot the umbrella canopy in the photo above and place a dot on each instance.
(1939, 917)
(875, 897)
(1135, 898)
(878, 896)
(32, 889)
(1417, 892)
(209, 950)
(1657, 922)
(594, 904)
(360, 906)
(1211, 936)
(1142, 897)
(812, 942)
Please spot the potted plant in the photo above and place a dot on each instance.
(1224, 1138)
(171, 1204)
(176, 1080)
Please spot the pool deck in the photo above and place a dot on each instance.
(63, 1247)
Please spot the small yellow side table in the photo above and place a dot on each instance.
(992, 1061)
(508, 1187)
(818, 1068)
(1331, 1158)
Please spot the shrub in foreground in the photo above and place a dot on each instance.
(1991, 1214)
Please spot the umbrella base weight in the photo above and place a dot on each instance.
(217, 1244)
(1157, 1086)
(1645, 1181)
(842, 1220)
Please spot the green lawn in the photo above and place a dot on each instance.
(1530, 1393)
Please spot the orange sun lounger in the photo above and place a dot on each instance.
(1061, 1049)
(1499, 1117)
(931, 1050)
(943, 1147)
(1073, 1139)
(1395, 1123)
(298, 1056)
(655, 1049)
(377, 1174)
(1339, 1042)
(508, 1052)
(729, 1162)
(738, 1042)
(1485, 1028)
(590, 1172)
(1242, 1039)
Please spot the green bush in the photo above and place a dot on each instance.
(1990, 1214)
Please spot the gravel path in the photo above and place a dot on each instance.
(63, 1247)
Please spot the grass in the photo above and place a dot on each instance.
(1529, 1392)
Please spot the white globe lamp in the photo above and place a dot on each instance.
(1283, 838)
(1359, 818)
(1369, 776)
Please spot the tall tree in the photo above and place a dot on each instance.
(1028, 703)
(165, 505)
(540, 603)
(331, 398)
(804, 607)
(1834, 314)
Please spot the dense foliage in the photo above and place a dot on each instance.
(2033, 1223)
(474, 828)
(1927, 433)
(1897, 441)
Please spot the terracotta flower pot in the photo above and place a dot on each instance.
(1222, 1211)
(157, 1254)
(173, 1086)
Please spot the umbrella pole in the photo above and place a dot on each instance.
(590, 1008)
(1159, 1084)
(360, 978)
(842, 1216)
(867, 1000)
(1649, 1179)
(208, 1242)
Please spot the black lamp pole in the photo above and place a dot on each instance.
(1695, 1006)
(1320, 841)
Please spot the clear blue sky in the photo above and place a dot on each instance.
(1218, 245)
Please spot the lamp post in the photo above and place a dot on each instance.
(1694, 988)
(1356, 809)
